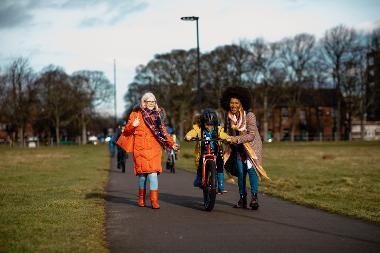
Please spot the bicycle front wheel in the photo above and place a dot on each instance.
(209, 191)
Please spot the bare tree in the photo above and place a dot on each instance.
(265, 73)
(338, 43)
(357, 87)
(57, 98)
(19, 94)
(321, 76)
(82, 103)
(3, 95)
(93, 90)
(215, 77)
(297, 55)
(228, 65)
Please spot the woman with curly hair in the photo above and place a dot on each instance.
(244, 155)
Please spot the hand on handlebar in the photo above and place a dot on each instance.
(204, 139)
(232, 139)
(187, 138)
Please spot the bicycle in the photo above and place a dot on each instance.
(209, 178)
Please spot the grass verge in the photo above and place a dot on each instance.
(51, 199)
(340, 177)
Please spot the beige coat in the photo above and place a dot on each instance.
(252, 143)
(252, 136)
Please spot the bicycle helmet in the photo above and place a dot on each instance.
(209, 117)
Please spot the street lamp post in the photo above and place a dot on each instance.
(114, 91)
(193, 18)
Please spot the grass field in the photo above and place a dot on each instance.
(51, 199)
(340, 177)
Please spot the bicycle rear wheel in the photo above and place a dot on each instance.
(209, 191)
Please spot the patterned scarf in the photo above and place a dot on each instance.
(153, 120)
(239, 124)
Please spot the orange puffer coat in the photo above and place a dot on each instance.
(146, 149)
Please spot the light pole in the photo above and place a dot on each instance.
(193, 18)
(114, 91)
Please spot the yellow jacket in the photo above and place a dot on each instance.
(195, 132)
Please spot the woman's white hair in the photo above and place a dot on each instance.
(145, 97)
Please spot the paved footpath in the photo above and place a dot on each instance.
(182, 226)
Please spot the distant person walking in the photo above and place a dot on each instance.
(147, 136)
(244, 154)
(121, 154)
(111, 143)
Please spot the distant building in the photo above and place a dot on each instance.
(314, 119)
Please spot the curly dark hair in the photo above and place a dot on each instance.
(239, 92)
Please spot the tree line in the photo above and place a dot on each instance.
(276, 72)
(51, 103)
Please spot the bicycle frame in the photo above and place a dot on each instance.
(207, 157)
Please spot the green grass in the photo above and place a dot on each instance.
(51, 199)
(340, 177)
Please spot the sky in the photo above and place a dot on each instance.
(93, 34)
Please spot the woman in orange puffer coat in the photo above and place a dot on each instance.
(147, 131)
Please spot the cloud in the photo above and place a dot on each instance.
(89, 22)
(115, 12)
(13, 14)
(127, 9)
(20, 13)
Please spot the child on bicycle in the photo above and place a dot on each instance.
(208, 126)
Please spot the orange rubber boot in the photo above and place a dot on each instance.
(154, 199)
(142, 193)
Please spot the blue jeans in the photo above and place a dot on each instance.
(153, 181)
(253, 178)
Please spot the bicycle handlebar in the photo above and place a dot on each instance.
(206, 139)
